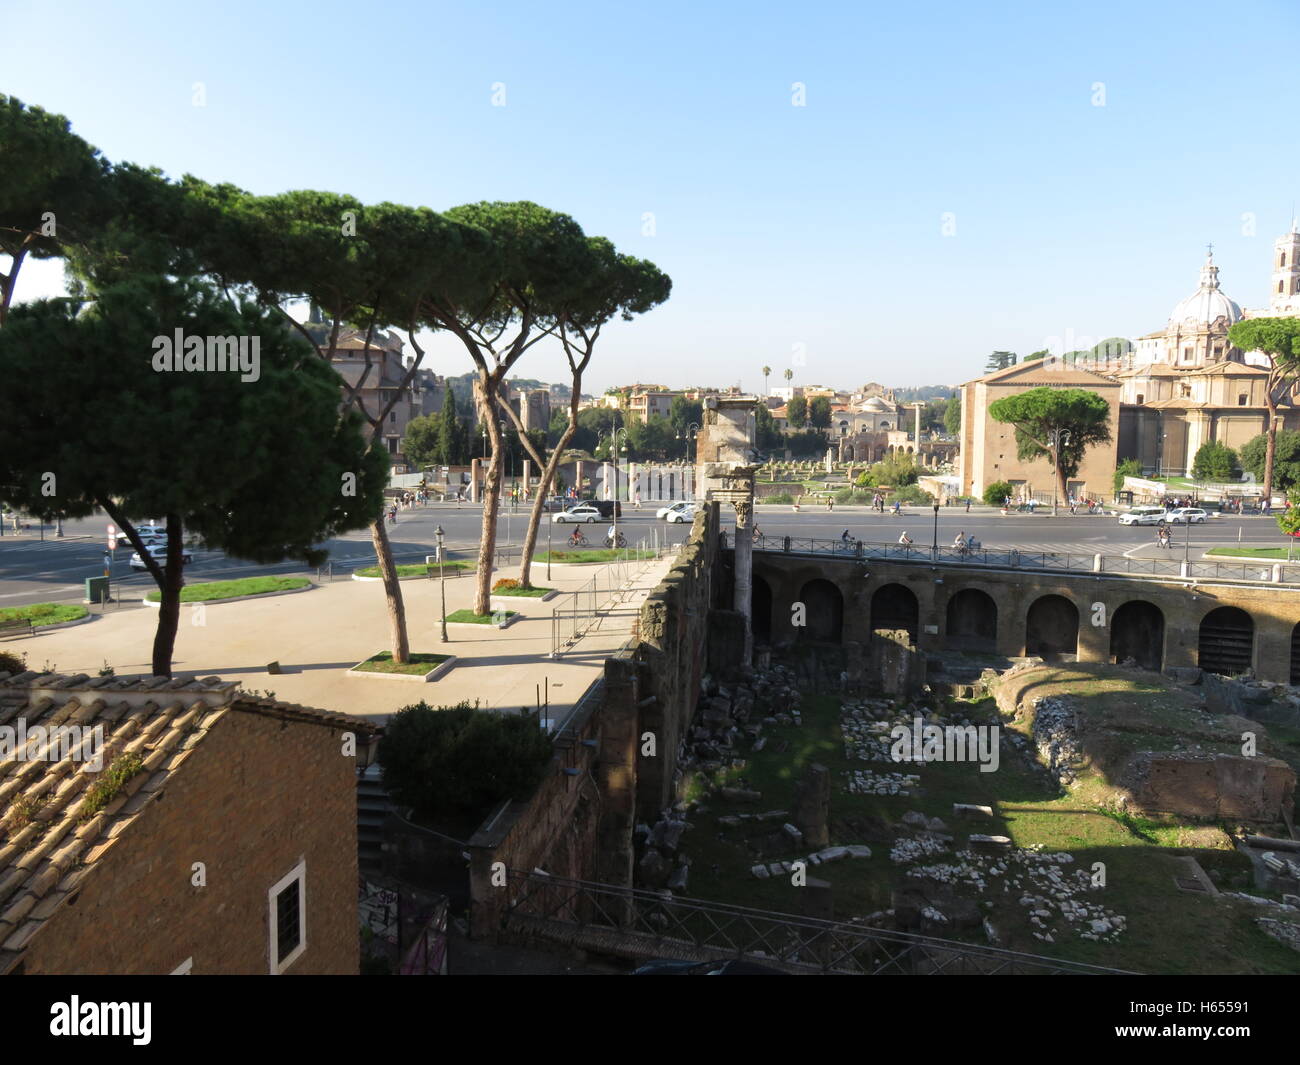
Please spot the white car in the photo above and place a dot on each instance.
(583, 512)
(1187, 516)
(687, 513)
(672, 508)
(158, 552)
(1143, 516)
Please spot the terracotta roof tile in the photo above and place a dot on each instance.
(48, 844)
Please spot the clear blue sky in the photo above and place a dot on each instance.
(780, 225)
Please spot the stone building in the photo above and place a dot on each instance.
(988, 447)
(215, 833)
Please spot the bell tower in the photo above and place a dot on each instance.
(1284, 291)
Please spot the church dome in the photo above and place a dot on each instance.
(876, 405)
(1207, 304)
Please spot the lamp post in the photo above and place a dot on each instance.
(1058, 437)
(936, 531)
(442, 579)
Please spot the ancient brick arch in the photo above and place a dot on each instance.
(1137, 631)
(894, 606)
(1052, 627)
(824, 611)
(972, 621)
(1226, 641)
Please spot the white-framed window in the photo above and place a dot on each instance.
(185, 968)
(287, 906)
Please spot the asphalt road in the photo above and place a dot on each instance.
(32, 571)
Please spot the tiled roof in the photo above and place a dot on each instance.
(59, 812)
(1229, 369)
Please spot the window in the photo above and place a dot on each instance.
(287, 902)
(1141, 398)
(1241, 399)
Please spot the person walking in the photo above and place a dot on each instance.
(968, 504)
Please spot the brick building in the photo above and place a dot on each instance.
(217, 835)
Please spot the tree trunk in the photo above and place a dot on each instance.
(1270, 447)
(491, 500)
(535, 519)
(392, 591)
(169, 606)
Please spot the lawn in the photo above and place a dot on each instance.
(210, 591)
(608, 554)
(418, 666)
(1279, 553)
(1168, 930)
(43, 613)
(523, 593)
(468, 617)
(406, 572)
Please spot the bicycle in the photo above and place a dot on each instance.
(577, 540)
(621, 542)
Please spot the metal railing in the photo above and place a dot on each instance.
(1013, 558)
(644, 924)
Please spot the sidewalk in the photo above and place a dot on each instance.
(317, 635)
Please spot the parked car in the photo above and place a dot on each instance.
(671, 508)
(583, 512)
(687, 513)
(1143, 516)
(1187, 516)
(159, 553)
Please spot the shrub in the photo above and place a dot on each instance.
(995, 495)
(779, 497)
(12, 663)
(458, 760)
(1127, 468)
(1214, 462)
(506, 582)
(913, 493)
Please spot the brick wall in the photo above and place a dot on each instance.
(257, 795)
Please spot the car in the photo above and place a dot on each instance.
(159, 553)
(1187, 516)
(1143, 516)
(663, 512)
(608, 508)
(686, 514)
(555, 503)
(580, 513)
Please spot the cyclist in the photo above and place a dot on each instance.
(576, 537)
(905, 540)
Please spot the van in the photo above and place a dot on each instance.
(1143, 516)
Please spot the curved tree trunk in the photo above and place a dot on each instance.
(535, 519)
(169, 606)
(491, 505)
(392, 591)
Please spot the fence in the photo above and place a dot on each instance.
(1013, 558)
(644, 924)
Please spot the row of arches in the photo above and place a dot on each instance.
(1225, 638)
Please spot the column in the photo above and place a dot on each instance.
(475, 480)
(743, 598)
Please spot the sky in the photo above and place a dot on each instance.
(854, 191)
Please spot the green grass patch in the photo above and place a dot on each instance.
(468, 617)
(418, 666)
(212, 590)
(44, 613)
(523, 593)
(1168, 930)
(406, 572)
(1279, 553)
(607, 554)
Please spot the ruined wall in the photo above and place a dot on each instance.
(672, 657)
(556, 830)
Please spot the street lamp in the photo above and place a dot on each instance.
(1058, 437)
(936, 530)
(614, 450)
(442, 580)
